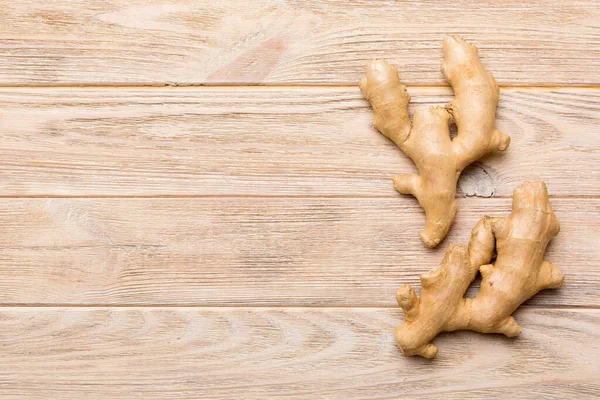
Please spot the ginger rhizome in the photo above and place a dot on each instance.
(518, 273)
(439, 159)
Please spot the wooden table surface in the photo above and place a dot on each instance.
(194, 203)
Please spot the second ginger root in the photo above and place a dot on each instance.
(518, 273)
(439, 159)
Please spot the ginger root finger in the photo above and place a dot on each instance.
(389, 99)
(439, 159)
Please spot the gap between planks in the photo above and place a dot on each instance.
(5, 306)
(256, 196)
(267, 87)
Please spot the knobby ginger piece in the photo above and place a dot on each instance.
(439, 159)
(518, 273)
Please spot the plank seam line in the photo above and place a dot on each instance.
(250, 306)
(262, 196)
(266, 87)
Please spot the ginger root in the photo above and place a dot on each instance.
(439, 159)
(518, 273)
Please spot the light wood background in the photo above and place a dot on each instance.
(194, 204)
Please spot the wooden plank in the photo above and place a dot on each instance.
(187, 353)
(250, 141)
(253, 251)
(181, 42)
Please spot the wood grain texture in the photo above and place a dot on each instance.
(182, 353)
(253, 251)
(181, 42)
(189, 214)
(251, 141)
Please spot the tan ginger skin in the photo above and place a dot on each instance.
(439, 159)
(519, 272)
